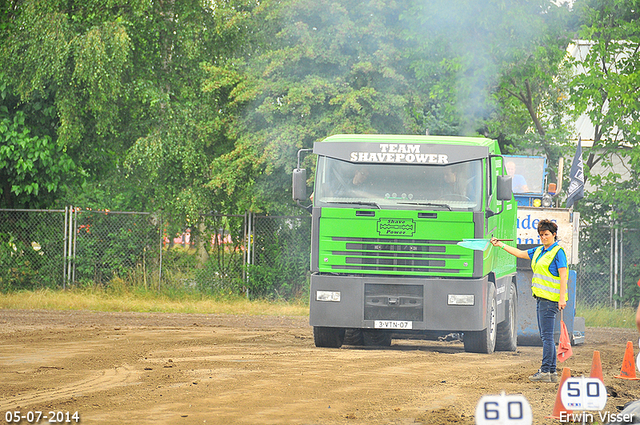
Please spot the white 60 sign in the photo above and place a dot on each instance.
(503, 410)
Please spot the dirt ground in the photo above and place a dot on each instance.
(142, 368)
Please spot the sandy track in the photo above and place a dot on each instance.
(139, 368)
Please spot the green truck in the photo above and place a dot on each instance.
(388, 214)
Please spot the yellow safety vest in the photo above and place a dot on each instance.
(544, 284)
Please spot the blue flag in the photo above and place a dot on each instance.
(576, 186)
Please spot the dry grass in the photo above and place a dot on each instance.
(140, 300)
(624, 317)
(146, 301)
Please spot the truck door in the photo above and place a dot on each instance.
(494, 169)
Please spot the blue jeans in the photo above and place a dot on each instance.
(547, 311)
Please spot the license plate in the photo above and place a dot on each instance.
(392, 324)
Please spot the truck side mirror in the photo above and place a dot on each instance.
(505, 191)
(299, 184)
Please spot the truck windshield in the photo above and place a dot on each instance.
(527, 173)
(453, 187)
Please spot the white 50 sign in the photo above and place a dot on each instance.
(503, 410)
(583, 394)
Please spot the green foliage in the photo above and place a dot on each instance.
(187, 118)
(280, 263)
(101, 58)
(604, 93)
(216, 279)
(31, 254)
(475, 58)
(125, 81)
(113, 245)
(605, 90)
(16, 271)
(194, 107)
(191, 107)
(32, 168)
(330, 68)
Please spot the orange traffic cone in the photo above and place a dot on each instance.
(558, 407)
(628, 370)
(596, 366)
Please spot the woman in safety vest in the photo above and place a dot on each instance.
(549, 287)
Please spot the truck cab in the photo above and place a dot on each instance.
(388, 215)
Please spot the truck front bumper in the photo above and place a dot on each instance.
(400, 303)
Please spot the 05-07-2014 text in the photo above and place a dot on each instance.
(34, 417)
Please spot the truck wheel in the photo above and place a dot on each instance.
(328, 337)
(353, 337)
(507, 339)
(376, 338)
(484, 341)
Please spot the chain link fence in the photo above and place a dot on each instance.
(608, 272)
(54, 248)
(260, 256)
(216, 250)
(280, 255)
(31, 248)
(105, 245)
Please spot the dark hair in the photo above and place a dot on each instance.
(548, 225)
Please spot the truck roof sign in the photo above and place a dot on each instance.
(403, 153)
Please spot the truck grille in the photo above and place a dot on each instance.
(397, 255)
(393, 302)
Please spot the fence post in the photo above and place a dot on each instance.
(244, 251)
(617, 269)
(250, 247)
(611, 278)
(70, 244)
(75, 240)
(622, 261)
(161, 228)
(615, 265)
(64, 249)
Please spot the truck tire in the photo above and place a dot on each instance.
(484, 341)
(353, 337)
(507, 338)
(376, 338)
(328, 337)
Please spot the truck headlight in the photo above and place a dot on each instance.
(328, 296)
(457, 299)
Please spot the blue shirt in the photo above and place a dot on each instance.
(518, 183)
(558, 262)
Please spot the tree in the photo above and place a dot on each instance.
(32, 168)
(123, 82)
(607, 92)
(187, 119)
(68, 60)
(329, 68)
(534, 112)
(494, 69)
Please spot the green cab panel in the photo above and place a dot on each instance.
(395, 242)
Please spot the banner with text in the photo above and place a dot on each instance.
(529, 217)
